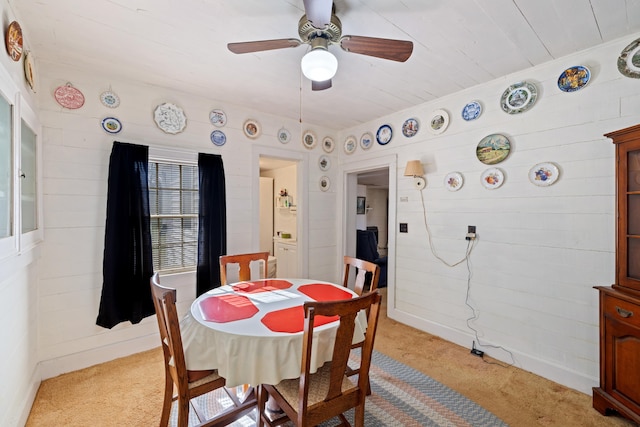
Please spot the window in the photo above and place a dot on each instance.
(6, 175)
(173, 205)
(28, 196)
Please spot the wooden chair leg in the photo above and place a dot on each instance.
(167, 401)
(359, 415)
(183, 412)
(262, 403)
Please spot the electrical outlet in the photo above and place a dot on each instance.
(471, 232)
(404, 227)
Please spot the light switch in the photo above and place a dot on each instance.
(404, 227)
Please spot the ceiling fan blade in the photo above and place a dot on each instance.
(318, 12)
(258, 46)
(320, 85)
(395, 50)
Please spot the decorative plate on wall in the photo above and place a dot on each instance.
(472, 111)
(218, 138)
(544, 174)
(325, 183)
(309, 139)
(29, 71)
(518, 97)
(111, 125)
(69, 97)
(366, 140)
(251, 128)
(629, 60)
(284, 136)
(109, 99)
(453, 181)
(350, 144)
(324, 162)
(327, 144)
(492, 178)
(410, 127)
(439, 121)
(574, 78)
(493, 149)
(13, 41)
(170, 118)
(384, 134)
(218, 118)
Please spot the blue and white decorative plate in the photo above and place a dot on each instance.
(384, 134)
(350, 144)
(109, 99)
(472, 111)
(574, 78)
(410, 127)
(366, 140)
(218, 138)
(111, 125)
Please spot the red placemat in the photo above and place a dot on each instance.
(324, 292)
(227, 308)
(261, 286)
(292, 320)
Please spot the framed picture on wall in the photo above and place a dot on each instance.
(360, 206)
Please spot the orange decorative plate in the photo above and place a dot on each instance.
(13, 41)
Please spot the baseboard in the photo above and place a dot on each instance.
(550, 371)
(73, 362)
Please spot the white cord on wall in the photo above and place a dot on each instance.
(467, 257)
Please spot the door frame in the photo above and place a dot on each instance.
(302, 201)
(350, 171)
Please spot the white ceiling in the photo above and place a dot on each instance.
(181, 44)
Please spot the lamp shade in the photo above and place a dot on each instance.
(319, 65)
(413, 168)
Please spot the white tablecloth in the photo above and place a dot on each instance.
(246, 351)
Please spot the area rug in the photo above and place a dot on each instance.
(401, 396)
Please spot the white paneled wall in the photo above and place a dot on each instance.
(76, 161)
(540, 249)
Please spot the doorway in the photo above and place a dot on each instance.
(288, 204)
(374, 179)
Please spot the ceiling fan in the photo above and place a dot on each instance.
(319, 27)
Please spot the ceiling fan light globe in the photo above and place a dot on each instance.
(319, 65)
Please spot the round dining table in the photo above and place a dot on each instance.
(252, 332)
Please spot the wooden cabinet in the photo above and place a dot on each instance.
(286, 258)
(620, 303)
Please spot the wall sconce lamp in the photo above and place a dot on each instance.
(414, 169)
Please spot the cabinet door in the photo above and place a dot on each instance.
(622, 355)
(628, 258)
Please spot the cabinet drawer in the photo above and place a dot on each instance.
(621, 310)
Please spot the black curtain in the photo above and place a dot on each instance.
(128, 262)
(212, 221)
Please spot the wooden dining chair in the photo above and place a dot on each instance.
(362, 268)
(188, 384)
(314, 398)
(244, 261)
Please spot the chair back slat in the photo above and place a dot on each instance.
(362, 268)
(244, 261)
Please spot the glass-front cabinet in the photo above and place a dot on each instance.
(619, 315)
